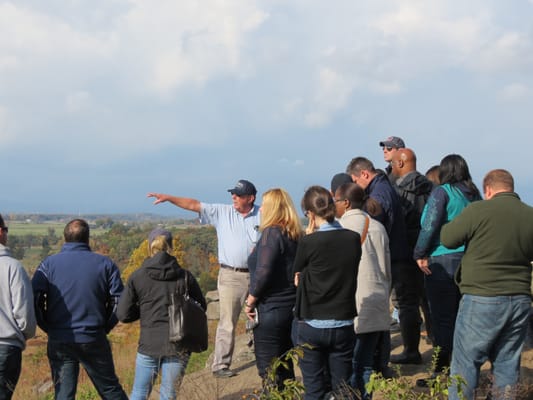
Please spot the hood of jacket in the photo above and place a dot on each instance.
(416, 183)
(162, 267)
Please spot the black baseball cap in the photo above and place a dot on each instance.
(243, 187)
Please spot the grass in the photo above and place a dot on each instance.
(20, 228)
(35, 379)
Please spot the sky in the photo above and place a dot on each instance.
(103, 101)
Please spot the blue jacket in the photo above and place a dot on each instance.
(76, 292)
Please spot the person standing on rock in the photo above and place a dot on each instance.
(272, 291)
(237, 233)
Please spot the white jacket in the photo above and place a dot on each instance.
(372, 297)
(17, 315)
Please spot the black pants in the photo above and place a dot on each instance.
(272, 338)
(10, 362)
(408, 283)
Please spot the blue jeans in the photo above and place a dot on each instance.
(494, 329)
(366, 344)
(331, 347)
(147, 368)
(443, 297)
(10, 362)
(272, 338)
(96, 358)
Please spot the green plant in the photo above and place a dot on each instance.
(291, 389)
(401, 388)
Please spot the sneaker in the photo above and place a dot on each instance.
(224, 373)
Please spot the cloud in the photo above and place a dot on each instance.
(515, 91)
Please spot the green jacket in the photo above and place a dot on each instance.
(498, 234)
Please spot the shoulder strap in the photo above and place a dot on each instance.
(183, 288)
(365, 229)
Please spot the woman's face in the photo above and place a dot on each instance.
(341, 205)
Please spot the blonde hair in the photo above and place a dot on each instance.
(277, 209)
(159, 244)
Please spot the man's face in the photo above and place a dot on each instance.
(362, 180)
(388, 152)
(396, 165)
(243, 203)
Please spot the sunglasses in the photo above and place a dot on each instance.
(388, 148)
(4, 228)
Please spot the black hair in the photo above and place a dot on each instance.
(453, 169)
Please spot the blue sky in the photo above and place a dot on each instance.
(102, 101)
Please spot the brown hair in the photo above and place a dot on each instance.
(499, 179)
(358, 199)
(318, 200)
(77, 231)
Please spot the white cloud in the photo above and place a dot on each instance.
(179, 43)
(515, 91)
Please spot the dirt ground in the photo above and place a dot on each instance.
(202, 386)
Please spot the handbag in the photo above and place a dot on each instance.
(187, 320)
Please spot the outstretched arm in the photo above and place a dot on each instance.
(181, 202)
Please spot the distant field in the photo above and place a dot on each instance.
(24, 228)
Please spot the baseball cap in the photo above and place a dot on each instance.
(243, 187)
(159, 232)
(338, 180)
(393, 141)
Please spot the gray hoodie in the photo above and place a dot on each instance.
(17, 315)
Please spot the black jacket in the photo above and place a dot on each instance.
(414, 190)
(147, 296)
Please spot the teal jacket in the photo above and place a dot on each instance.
(498, 234)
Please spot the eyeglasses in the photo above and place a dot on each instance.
(4, 228)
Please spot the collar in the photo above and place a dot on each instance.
(329, 226)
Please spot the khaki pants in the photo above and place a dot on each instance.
(232, 292)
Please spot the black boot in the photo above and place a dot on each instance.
(442, 363)
(410, 331)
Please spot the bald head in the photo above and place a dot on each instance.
(403, 161)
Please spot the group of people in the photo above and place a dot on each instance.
(77, 296)
(375, 236)
(424, 241)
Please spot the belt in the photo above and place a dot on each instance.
(233, 268)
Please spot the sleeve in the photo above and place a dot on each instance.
(457, 232)
(22, 300)
(128, 309)
(301, 259)
(432, 219)
(195, 291)
(210, 213)
(268, 249)
(39, 284)
(115, 290)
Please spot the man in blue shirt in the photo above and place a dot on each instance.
(237, 233)
(76, 292)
